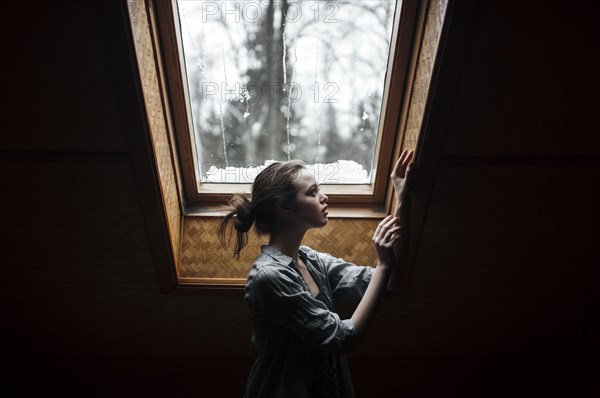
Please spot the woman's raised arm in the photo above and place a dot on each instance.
(402, 179)
(384, 237)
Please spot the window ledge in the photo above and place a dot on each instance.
(334, 211)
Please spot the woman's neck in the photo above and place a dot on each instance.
(288, 243)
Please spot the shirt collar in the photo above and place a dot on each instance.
(281, 258)
(276, 254)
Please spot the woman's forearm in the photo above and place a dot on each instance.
(365, 311)
(402, 179)
(400, 253)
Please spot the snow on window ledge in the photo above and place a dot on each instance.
(339, 172)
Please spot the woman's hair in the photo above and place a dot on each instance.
(273, 187)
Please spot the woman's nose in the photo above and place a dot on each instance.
(324, 198)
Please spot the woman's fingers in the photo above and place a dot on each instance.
(380, 225)
(389, 238)
(407, 161)
(403, 163)
(384, 227)
(405, 155)
(398, 167)
(387, 232)
(390, 242)
(390, 233)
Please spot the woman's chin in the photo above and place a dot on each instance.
(319, 223)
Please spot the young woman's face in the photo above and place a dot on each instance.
(310, 207)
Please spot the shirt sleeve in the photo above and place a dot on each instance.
(348, 281)
(282, 297)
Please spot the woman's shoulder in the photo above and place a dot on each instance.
(270, 281)
(267, 271)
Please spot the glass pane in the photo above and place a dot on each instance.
(274, 80)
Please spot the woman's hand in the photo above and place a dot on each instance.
(386, 233)
(402, 179)
(401, 176)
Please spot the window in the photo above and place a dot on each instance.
(255, 81)
(174, 193)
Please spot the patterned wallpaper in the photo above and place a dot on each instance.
(202, 256)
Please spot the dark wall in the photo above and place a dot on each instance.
(81, 308)
(79, 294)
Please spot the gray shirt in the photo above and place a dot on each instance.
(292, 331)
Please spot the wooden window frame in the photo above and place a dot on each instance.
(459, 18)
(365, 201)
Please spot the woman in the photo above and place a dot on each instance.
(299, 339)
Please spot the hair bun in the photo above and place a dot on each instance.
(242, 226)
(244, 213)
